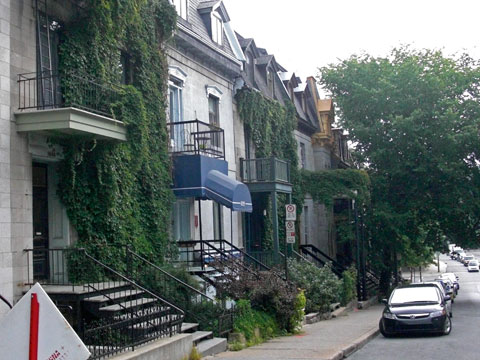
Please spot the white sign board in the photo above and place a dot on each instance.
(56, 338)
(290, 231)
(291, 212)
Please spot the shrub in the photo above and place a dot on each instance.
(322, 287)
(349, 285)
(267, 291)
(249, 319)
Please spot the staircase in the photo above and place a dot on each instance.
(367, 281)
(110, 312)
(319, 258)
(208, 313)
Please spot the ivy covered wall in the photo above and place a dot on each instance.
(119, 193)
(271, 126)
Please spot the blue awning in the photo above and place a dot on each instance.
(227, 191)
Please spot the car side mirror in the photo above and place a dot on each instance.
(384, 301)
(447, 297)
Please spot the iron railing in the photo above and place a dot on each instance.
(115, 314)
(209, 313)
(204, 253)
(265, 170)
(319, 258)
(50, 90)
(196, 138)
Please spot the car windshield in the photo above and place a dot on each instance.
(414, 295)
(468, 257)
(473, 262)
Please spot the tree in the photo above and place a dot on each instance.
(413, 118)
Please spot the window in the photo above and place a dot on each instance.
(177, 133)
(181, 219)
(270, 80)
(214, 119)
(217, 29)
(306, 225)
(126, 70)
(213, 115)
(217, 221)
(303, 156)
(182, 7)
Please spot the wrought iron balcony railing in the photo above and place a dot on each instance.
(196, 138)
(49, 90)
(265, 170)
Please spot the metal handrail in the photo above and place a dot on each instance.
(170, 276)
(66, 90)
(140, 315)
(314, 252)
(265, 170)
(195, 137)
(205, 254)
(195, 297)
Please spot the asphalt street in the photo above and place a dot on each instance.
(463, 341)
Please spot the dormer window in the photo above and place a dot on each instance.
(217, 28)
(270, 80)
(181, 6)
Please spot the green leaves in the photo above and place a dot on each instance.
(119, 193)
(413, 117)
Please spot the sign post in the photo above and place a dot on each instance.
(290, 218)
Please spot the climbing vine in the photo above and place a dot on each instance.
(271, 126)
(118, 193)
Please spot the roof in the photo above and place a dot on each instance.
(196, 30)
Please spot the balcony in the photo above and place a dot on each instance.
(196, 138)
(57, 105)
(266, 174)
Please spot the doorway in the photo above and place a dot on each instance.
(40, 221)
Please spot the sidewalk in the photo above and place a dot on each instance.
(330, 339)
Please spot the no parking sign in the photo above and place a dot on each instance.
(290, 231)
(291, 212)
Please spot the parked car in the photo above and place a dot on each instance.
(454, 279)
(445, 289)
(415, 308)
(473, 265)
(466, 259)
(460, 255)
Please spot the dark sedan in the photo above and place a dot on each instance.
(415, 308)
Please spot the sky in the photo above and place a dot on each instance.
(307, 34)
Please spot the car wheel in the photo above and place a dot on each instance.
(383, 331)
(447, 327)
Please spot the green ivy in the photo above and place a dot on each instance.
(119, 193)
(326, 185)
(271, 126)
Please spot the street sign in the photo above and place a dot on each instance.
(290, 225)
(290, 231)
(35, 326)
(291, 238)
(291, 212)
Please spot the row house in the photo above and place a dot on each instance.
(205, 63)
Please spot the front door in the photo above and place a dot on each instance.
(40, 221)
(51, 229)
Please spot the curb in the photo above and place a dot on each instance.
(355, 346)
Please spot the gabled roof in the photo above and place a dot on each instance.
(264, 60)
(213, 5)
(193, 36)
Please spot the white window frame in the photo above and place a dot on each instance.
(181, 6)
(217, 28)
